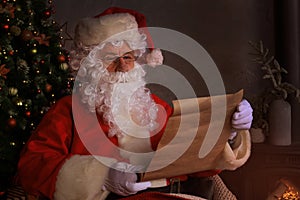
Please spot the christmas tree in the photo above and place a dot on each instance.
(33, 73)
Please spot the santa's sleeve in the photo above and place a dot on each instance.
(46, 166)
(46, 151)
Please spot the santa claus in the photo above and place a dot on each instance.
(95, 142)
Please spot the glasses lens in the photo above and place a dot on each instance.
(127, 58)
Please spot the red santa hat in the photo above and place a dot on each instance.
(114, 20)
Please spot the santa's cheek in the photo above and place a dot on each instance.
(111, 68)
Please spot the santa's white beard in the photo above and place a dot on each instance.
(124, 102)
(127, 107)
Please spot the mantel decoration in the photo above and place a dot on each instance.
(272, 111)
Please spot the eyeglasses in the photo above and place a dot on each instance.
(114, 59)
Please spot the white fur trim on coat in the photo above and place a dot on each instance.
(82, 177)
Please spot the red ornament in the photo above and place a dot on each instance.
(61, 58)
(26, 35)
(48, 87)
(6, 26)
(3, 71)
(47, 13)
(28, 113)
(12, 122)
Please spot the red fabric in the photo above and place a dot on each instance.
(139, 17)
(48, 148)
(46, 151)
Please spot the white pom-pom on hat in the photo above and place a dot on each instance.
(154, 58)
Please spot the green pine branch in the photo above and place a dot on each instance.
(274, 72)
(279, 89)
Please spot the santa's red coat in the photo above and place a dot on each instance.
(56, 140)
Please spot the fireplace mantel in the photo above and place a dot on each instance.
(266, 165)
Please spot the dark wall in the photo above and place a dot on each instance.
(222, 27)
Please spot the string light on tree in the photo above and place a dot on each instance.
(34, 50)
(19, 103)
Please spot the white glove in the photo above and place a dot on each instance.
(242, 118)
(122, 179)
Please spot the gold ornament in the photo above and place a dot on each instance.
(12, 91)
(64, 66)
(15, 30)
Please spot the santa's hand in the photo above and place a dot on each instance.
(242, 118)
(122, 179)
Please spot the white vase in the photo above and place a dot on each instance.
(280, 123)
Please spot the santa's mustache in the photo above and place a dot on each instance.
(135, 74)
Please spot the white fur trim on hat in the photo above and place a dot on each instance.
(93, 31)
(82, 177)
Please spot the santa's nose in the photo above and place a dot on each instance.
(122, 66)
